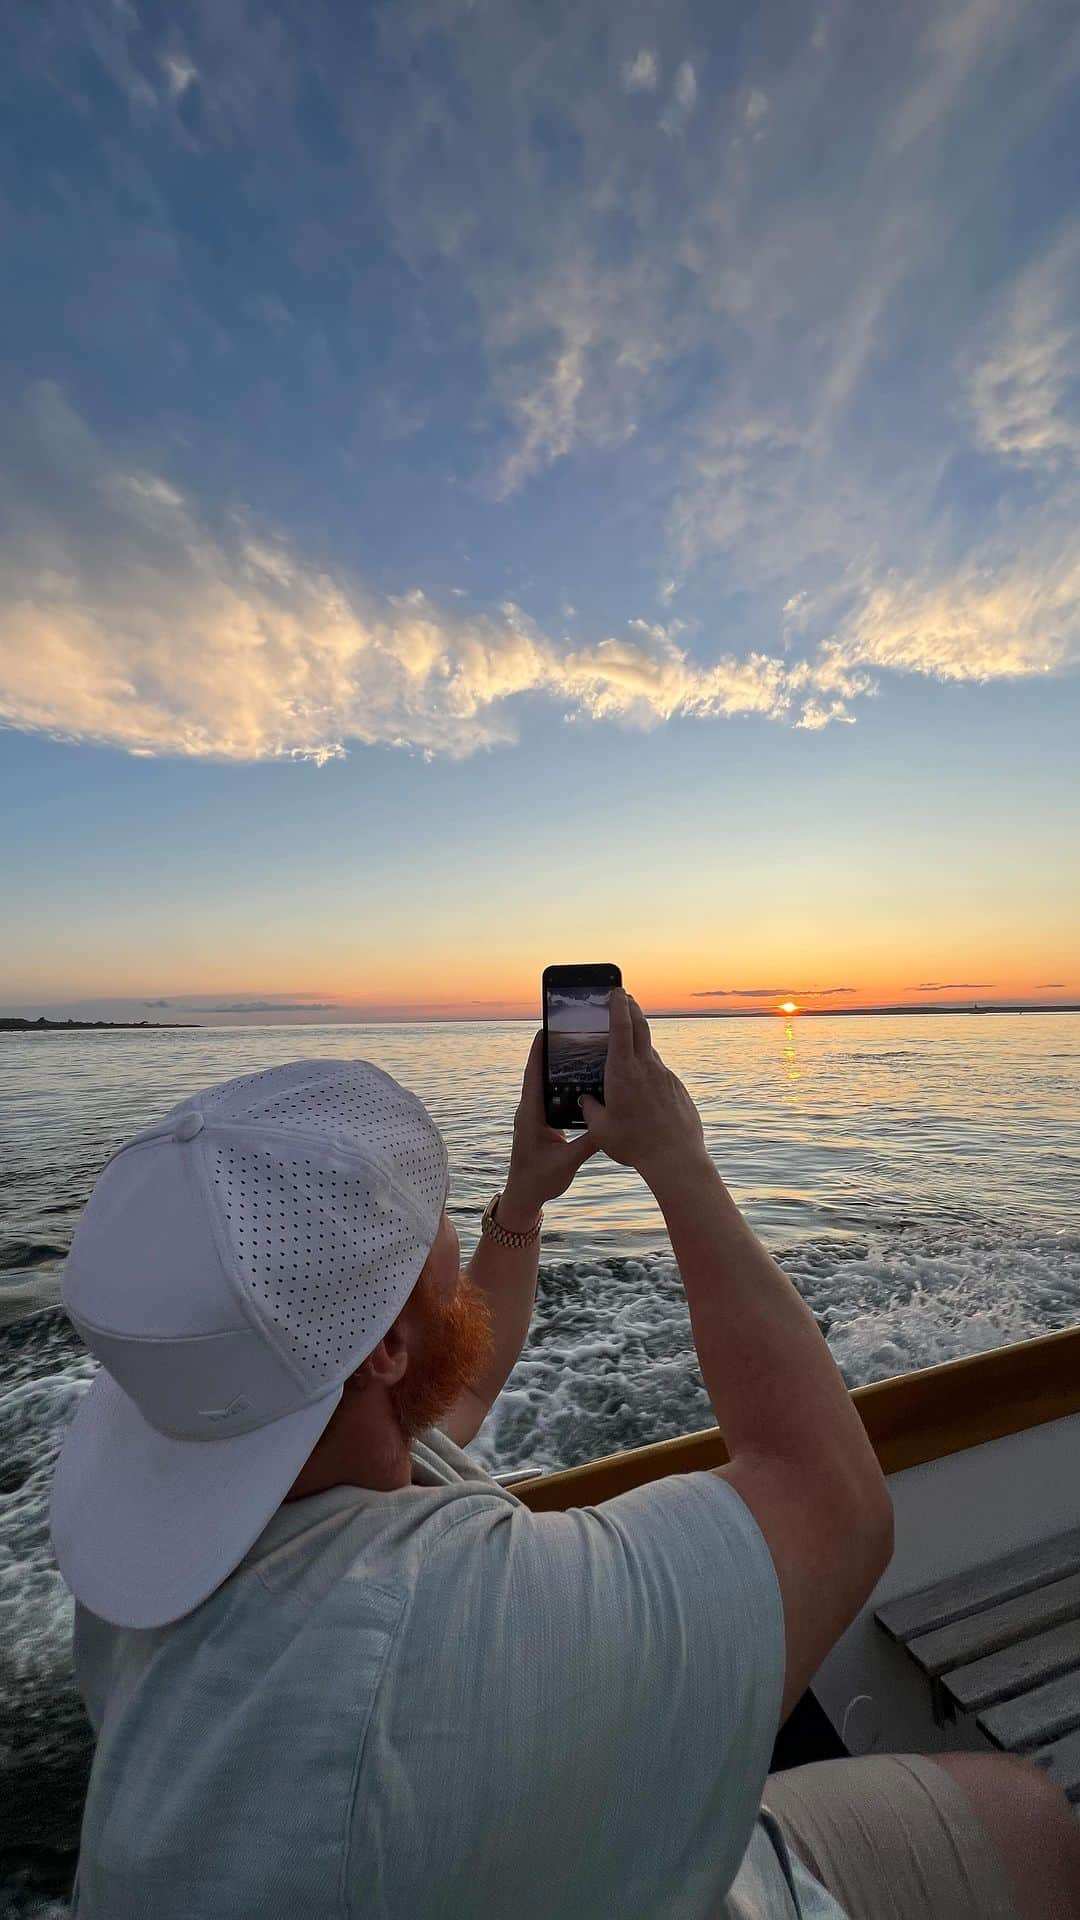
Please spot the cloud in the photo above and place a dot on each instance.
(275, 1006)
(768, 993)
(983, 622)
(740, 993)
(686, 87)
(573, 356)
(179, 72)
(757, 106)
(956, 43)
(548, 414)
(1040, 984)
(680, 107)
(1024, 390)
(157, 1003)
(642, 74)
(949, 986)
(126, 620)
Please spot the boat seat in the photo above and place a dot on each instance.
(1002, 1642)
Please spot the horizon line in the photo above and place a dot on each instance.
(530, 1019)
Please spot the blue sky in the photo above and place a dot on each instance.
(483, 479)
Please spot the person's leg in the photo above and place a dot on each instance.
(892, 1837)
(1030, 1824)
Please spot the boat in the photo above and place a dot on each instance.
(971, 1639)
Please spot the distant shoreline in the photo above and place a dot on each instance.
(92, 1026)
(11, 1025)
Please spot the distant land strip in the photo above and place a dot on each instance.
(42, 1025)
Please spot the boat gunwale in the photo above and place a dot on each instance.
(911, 1418)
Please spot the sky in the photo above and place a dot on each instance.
(487, 485)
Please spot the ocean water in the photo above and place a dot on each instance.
(917, 1177)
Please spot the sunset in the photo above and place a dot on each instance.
(540, 989)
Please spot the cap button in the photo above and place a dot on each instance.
(189, 1126)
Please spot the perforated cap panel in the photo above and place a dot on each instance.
(329, 1181)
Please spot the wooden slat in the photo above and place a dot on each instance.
(1062, 1762)
(1034, 1719)
(910, 1419)
(1013, 1670)
(983, 1586)
(977, 1634)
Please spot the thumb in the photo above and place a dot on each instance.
(582, 1150)
(589, 1108)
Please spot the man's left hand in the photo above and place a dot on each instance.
(543, 1161)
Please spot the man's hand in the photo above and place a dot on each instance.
(543, 1161)
(647, 1118)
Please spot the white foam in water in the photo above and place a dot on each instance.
(611, 1364)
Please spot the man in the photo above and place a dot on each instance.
(335, 1669)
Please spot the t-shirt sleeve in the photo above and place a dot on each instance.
(620, 1671)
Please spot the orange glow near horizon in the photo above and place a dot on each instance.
(482, 971)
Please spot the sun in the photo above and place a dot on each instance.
(789, 1006)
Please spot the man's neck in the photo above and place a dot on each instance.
(344, 1460)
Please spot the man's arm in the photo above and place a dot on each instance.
(542, 1165)
(800, 1459)
(506, 1276)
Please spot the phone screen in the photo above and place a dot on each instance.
(575, 1037)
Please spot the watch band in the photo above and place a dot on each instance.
(491, 1230)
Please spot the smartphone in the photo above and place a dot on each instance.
(575, 1037)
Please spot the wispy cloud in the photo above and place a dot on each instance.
(983, 622)
(126, 620)
(956, 43)
(272, 1006)
(682, 102)
(768, 993)
(642, 74)
(740, 993)
(1024, 389)
(948, 986)
(179, 72)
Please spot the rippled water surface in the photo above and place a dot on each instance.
(918, 1178)
(834, 1126)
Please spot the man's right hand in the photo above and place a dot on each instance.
(647, 1119)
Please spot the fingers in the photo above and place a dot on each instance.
(620, 1029)
(534, 1068)
(640, 1026)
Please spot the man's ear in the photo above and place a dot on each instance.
(384, 1365)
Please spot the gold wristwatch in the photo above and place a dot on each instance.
(491, 1230)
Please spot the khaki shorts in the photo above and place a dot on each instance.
(892, 1837)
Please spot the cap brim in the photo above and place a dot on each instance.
(144, 1527)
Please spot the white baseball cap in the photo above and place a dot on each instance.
(233, 1265)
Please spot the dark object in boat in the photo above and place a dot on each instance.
(807, 1734)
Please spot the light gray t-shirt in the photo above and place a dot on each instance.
(434, 1704)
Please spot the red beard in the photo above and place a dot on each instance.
(455, 1349)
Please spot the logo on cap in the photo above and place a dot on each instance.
(239, 1405)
